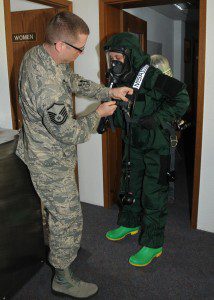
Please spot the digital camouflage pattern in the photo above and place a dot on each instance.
(47, 144)
(56, 186)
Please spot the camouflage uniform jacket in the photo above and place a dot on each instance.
(45, 95)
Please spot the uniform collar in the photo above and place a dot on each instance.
(48, 60)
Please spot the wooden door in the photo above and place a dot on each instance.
(28, 30)
(116, 21)
(137, 26)
(110, 141)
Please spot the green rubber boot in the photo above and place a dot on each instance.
(64, 282)
(143, 257)
(121, 232)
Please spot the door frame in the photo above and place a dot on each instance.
(103, 4)
(9, 44)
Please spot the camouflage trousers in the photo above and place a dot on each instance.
(56, 186)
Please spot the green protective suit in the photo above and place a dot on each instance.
(149, 146)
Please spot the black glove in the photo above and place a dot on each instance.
(148, 122)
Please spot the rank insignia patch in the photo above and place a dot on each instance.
(58, 114)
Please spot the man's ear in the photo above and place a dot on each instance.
(59, 46)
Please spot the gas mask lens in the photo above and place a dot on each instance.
(119, 66)
(112, 57)
(108, 60)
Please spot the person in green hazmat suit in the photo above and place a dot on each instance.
(158, 99)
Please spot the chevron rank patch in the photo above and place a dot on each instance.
(57, 114)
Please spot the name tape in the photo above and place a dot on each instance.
(140, 77)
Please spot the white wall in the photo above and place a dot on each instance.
(178, 49)
(5, 110)
(89, 154)
(168, 32)
(159, 29)
(206, 195)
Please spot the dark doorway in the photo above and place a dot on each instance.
(191, 79)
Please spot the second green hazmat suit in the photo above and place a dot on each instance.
(146, 158)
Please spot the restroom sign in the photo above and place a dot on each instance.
(24, 37)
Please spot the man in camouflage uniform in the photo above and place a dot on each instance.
(48, 139)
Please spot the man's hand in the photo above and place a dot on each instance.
(106, 109)
(120, 93)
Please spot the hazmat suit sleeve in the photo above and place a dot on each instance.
(172, 109)
(172, 94)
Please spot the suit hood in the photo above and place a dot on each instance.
(129, 41)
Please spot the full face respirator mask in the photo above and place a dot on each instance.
(121, 71)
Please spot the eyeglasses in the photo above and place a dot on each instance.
(76, 48)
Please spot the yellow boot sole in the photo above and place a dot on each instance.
(131, 233)
(137, 265)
